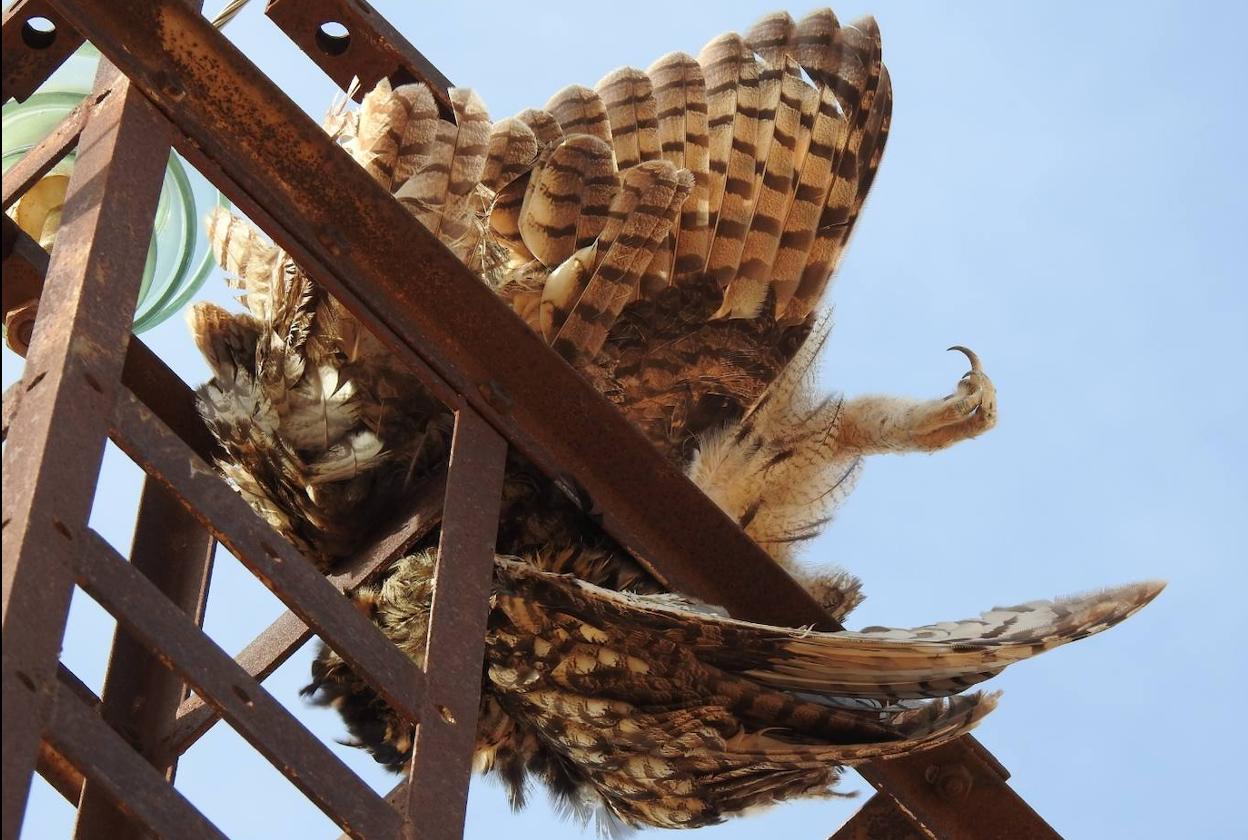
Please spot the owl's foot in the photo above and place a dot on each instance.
(837, 591)
(968, 412)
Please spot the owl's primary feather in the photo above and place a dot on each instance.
(670, 233)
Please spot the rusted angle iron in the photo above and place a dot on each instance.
(56, 441)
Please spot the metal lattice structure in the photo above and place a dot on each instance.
(175, 82)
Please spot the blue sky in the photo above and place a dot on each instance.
(1065, 192)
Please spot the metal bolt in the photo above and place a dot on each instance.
(952, 781)
(19, 326)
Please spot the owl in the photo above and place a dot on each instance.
(670, 233)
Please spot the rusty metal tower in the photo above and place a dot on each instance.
(175, 82)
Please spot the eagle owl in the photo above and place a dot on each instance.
(670, 233)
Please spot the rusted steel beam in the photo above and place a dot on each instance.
(879, 819)
(149, 378)
(958, 792)
(396, 798)
(48, 152)
(271, 558)
(141, 695)
(104, 758)
(168, 632)
(31, 54)
(262, 656)
(266, 653)
(370, 50)
(53, 451)
(454, 650)
(361, 245)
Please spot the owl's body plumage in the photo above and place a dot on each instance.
(670, 234)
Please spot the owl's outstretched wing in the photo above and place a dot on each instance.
(666, 713)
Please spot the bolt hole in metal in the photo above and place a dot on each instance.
(38, 33)
(333, 38)
(25, 680)
(242, 695)
(446, 714)
(62, 529)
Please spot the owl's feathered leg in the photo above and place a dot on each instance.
(876, 424)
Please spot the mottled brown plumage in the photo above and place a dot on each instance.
(669, 715)
(671, 235)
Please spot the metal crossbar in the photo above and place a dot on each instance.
(183, 84)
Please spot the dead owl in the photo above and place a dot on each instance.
(670, 233)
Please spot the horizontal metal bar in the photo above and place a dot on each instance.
(30, 55)
(370, 50)
(166, 631)
(48, 152)
(266, 653)
(455, 647)
(268, 555)
(78, 734)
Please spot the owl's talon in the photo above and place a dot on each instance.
(976, 367)
(968, 412)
